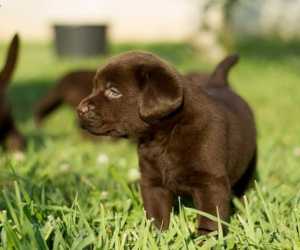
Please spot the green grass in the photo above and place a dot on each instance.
(70, 193)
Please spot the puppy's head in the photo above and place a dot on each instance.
(131, 92)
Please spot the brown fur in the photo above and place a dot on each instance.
(70, 90)
(76, 85)
(10, 137)
(193, 140)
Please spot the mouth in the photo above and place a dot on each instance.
(102, 132)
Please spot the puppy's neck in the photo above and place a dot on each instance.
(190, 112)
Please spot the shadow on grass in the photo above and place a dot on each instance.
(23, 97)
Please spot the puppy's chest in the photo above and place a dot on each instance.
(164, 168)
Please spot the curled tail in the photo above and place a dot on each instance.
(11, 61)
(219, 78)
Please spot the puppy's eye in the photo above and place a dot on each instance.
(112, 93)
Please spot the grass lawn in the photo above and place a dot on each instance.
(70, 193)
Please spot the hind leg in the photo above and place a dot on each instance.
(247, 179)
(47, 105)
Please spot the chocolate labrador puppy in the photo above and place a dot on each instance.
(192, 140)
(76, 85)
(10, 137)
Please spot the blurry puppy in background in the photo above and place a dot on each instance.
(194, 138)
(70, 90)
(10, 137)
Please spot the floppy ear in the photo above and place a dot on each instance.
(11, 60)
(219, 77)
(161, 91)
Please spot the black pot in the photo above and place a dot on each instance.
(80, 40)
